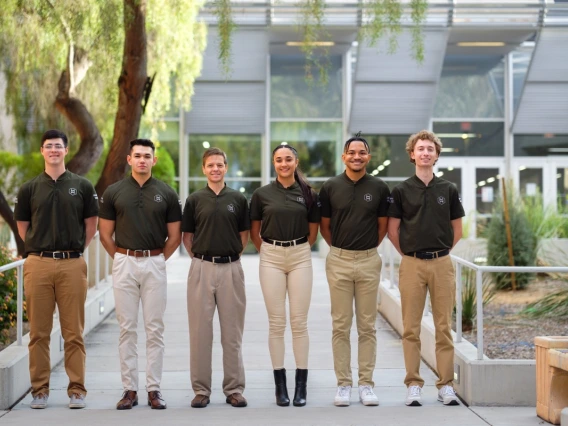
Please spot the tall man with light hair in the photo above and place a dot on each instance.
(425, 223)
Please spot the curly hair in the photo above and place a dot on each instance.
(424, 135)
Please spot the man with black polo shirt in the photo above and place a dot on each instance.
(56, 214)
(353, 223)
(215, 229)
(144, 214)
(425, 223)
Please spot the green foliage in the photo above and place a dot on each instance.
(165, 169)
(419, 9)
(16, 169)
(469, 297)
(312, 25)
(554, 305)
(8, 296)
(226, 26)
(544, 222)
(523, 239)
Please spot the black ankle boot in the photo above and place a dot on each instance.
(300, 393)
(282, 398)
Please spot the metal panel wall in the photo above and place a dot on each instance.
(393, 94)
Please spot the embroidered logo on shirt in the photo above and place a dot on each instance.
(95, 196)
(367, 197)
(390, 200)
(158, 198)
(72, 191)
(301, 200)
(441, 200)
(231, 208)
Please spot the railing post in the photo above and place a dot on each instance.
(97, 261)
(459, 301)
(479, 297)
(20, 305)
(391, 265)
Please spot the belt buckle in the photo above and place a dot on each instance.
(432, 255)
(213, 259)
(53, 255)
(145, 253)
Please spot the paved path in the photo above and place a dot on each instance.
(104, 385)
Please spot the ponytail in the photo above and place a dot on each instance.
(305, 187)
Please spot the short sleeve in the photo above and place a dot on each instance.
(384, 203)
(395, 204)
(314, 214)
(325, 205)
(22, 210)
(91, 201)
(106, 205)
(244, 220)
(255, 207)
(174, 207)
(456, 207)
(188, 219)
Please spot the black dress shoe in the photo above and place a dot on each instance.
(281, 390)
(300, 393)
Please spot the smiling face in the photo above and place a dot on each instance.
(285, 163)
(141, 159)
(214, 168)
(356, 157)
(54, 151)
(424, 153)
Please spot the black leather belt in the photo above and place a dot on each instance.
(286, 243)
(58, 254)
(217, 259)
(428, 255)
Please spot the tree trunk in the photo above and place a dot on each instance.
(8, 216)
(131, 85)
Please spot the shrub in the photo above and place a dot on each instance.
(8, 296)
(165, 169)
(554, 305)
(469, 297)
(523, 239)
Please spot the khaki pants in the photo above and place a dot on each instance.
(287, 270)
(416, 276)
(48, 282)
(353, 275)
(209, 286)
(138, 279)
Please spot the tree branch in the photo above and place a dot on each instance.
(8, 216)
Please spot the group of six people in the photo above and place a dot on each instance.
(141, 225)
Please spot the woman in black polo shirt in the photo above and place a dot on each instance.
(284, 225)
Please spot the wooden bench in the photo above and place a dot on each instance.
(551, 377)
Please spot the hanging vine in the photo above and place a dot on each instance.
(312, 26)
(226, 27)
(418, 15)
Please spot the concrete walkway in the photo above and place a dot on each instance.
(104, 385)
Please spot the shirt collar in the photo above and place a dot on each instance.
(419, 182)
(64, 176)
(280, 186)
(135, 182)
(207, 188)
(348, 179)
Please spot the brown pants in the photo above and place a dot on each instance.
(222, 286)
(353, 275)
(416, 277)
(63, 282)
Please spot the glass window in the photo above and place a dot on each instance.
(243, 154)
(461, 139)
(541, 145)
(315, 142)
(486, 189)
(521, 61)
(562, 189)
(388, 156)
(452, 174)
(530, 181)
(470, 86)
(292, 97)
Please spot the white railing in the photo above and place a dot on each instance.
(19, 265)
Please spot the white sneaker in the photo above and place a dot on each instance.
(367, 396)
(39, 401)
(414, 396)
(77, 400)
(343, 396)
(447, 395)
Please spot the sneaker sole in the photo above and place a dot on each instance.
(77, 406)
(449, 403)
(38, 407)
(341, 403)
(414, 404)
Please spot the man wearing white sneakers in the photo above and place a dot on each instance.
(425, 223)
(354, 209)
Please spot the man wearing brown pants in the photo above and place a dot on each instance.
(56, 213)
(353, 222)
(215, 229)
(424, 225)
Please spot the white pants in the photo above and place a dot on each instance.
(138, 279)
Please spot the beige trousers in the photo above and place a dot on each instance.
(48, 282)
(135, 280)
(416, 276)
(353, 275)
(222, 286)
(287, 270)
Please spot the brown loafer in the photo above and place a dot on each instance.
(156, 401)
(237, 400)
(129, 400)
(200, 401)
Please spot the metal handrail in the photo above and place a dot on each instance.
(19, 264)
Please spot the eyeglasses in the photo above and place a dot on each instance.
(56, 146)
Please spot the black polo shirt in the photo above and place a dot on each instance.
(426, 213)
(216, 220)
(141, 213)
(283, 211)
(56, 211)
(354, 209)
